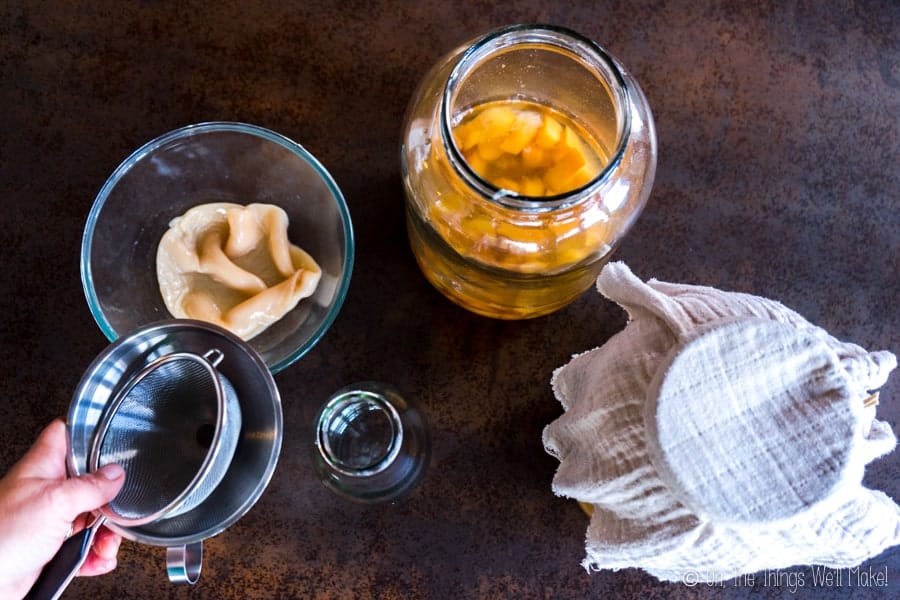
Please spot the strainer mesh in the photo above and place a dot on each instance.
(161, 434)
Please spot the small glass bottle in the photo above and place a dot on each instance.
(371, 443)
(526, 157)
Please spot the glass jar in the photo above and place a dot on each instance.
(526, 156)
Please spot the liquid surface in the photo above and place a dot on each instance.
(233, 266)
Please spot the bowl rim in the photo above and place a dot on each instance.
(125, 166)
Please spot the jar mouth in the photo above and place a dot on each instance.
(359, 433)
(593, 60)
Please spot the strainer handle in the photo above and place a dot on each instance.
(183, 563)
(60, 571)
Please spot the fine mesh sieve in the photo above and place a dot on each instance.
(174, 428)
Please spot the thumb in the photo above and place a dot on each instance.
(90, 491)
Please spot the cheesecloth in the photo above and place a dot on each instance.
(720, 434)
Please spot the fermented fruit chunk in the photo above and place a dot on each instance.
(527, 148)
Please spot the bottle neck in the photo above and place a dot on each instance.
(548, 66)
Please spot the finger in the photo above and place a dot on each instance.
(95, 565)
(87, 492)
(46, 459)
(102, 556)
(106, 543)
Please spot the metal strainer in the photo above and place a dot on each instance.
(174, 428)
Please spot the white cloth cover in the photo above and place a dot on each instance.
(721, 434)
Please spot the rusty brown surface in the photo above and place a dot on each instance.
(779, 146)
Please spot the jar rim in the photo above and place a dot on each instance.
(550, 35)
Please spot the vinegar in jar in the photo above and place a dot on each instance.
(526, 156)
(513, 264)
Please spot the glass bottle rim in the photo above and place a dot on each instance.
(334, 409)
(551, 35)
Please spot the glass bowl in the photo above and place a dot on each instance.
(214, 162)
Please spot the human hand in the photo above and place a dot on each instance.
(40, 507)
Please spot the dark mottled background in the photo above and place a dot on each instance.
(778, 128)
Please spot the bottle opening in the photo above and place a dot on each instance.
(359, 433)
(532, 116)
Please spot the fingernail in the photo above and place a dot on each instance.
(110, 564)
(111, 471)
